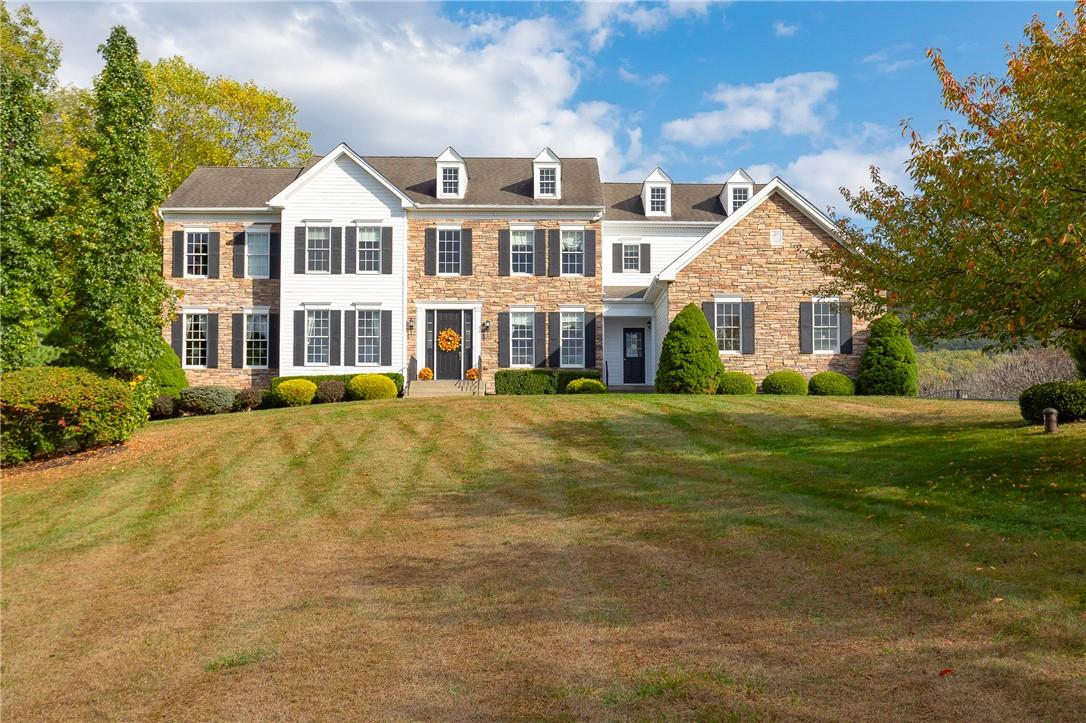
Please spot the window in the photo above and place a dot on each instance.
(522, 338)
(257, 242)
(369, 336)
(256, 339)
(369, 249)
(658, 200)
(572, 339)
(522, 250)
(196, 251)
(739, 197)
(196, 340)
(317, 329)
(825, 317)
(450, 181)
(448, 251)
(631, 257)
(318, 257)
(573, 253)
(548, 182)
(728, 315)
(776, 237)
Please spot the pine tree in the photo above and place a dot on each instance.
(888, 365)
(689, 360)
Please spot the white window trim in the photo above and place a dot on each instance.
(437, 250)
(729, 300)
(557, 168)
(826, 300)
(263, 228)
(667, 200)
(367, 306)
(186, 230)
(186, 311)
(460, 179)
(562, 228)
(636, 245)
(248, 311)
(566, 309)
(731, 196)
(775, 233)
(316, 306)
(521, 227)
(521, 310)
(318, 224)
(358, 226)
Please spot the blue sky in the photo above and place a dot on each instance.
(813, 92)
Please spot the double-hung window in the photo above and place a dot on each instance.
(739, 197)
(522, 338)
(658, 199)
(826, 319)
(318, 249)
(256, 339)
(369, 336)
(257, 254)
(196, 253)
(548, 181)
(450, 181)
(369, 249)
(572, 252)
(572, 323)
(196, 340)
(448, 251)
(317, 328)
(631, 257)
(729, 314)
(522, 250)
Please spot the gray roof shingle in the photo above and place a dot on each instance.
(689, 202)
(230, 187)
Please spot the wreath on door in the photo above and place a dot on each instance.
(448, 340)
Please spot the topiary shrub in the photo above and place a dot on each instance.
(296, 392)
(59, 410)
(1067, 398)
(784, 382)
(207, 400)
(248, 399)
(888, 365)
(689, 360)
(163, 407)
(330, 390)
(737, 383)
(371, 386)
(166, 372)
(831, 384)
(585, 386)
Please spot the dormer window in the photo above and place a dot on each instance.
(740, 196)
(658, 200)
(547, 175)
(738, 189)
(656, 194)
(548, 181)
(452, 175)
(450, 181)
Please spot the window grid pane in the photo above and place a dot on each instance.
(573, 252)
(825, 326)
(728, 325)
(522, 341)
(572, 339)
(448, 251)
(316, 337)
(369, 337)
(631, 257)
(739, 197)
(369, 249)
(658, 200)
(196, 253)
(256, 253)
(196, 340)
(256, 340)
(548, 181)
(522, 249)
(318, 249)
(450, 181)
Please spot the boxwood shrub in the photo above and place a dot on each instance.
(584, 385)
(207, 400)
(1067, 398)
(371, 386)
(296, 392)
(396, 378)
(737, 383)
(330, 390)
(831, 384)
(539, 381)
(784, 382)
(59, 410)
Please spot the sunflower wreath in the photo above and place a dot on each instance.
(448, 340)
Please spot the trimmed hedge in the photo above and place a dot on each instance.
(207, 400)
(329, 391)
(585, 385)
(296, 392)
(1067, 398)
(59, 410)
(737, 383)
(888, 365)
(539, 381)
(831, 384)
(166, 372)
(396, 377)
(370, 387)
(163, 407)
(784, 382)
(689, 359)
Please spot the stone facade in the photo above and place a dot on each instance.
(224, 296)
(498, 293)
(776, 279)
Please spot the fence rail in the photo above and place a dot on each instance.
(965, 394)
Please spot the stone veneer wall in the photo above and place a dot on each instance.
(496, 292)
(776, 279)
(224, 296)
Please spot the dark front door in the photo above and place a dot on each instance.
(449, 363)
(633, 356)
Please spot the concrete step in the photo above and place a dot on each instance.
(441, 388)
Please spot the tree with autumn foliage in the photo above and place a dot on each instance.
(990, 242)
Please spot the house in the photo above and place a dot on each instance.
(358, 263)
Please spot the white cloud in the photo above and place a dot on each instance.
(783, 30)
(601, 20)
(790, 105)
(888, 60)
(653, 81)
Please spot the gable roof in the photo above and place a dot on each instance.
(311, 169)
(689, 202)
(230, 187)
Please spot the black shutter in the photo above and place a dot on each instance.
(589, 340)
(386, 249)
(350, 342)
(299, 249)
(555, 253)
(539, 259)
(212, 341)
(646, 258)
(337, 250)
(465, 252)
(616, 258)
(273, 341)
(350, 248)
(503, 339)
(503, 252)
(846, 328)
(709, 309)
(213, 255)
(540, 334)
(430, 252)
(239, 255)
(746, 343)
(335, 333)
(274, 248)
(178, 253)
(177, 336)
(806, 330)
(299, 338)
(556, 339)
(237, 340)
(386, 338)
(590, 253)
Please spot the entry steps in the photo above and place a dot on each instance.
(443, 388)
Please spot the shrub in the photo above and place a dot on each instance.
(371, 386)
(1067, 398)
(396, 378)
(737, 383)
(784, 382)
(426, 374)
(689, 360)
(49, 410)
(207, 400)
(248, 399)
(330, 390)
(888, 365)
(831, 384)
(539, 381)
(163, 407)
(296, 392)
(166, 372)
(584, 385)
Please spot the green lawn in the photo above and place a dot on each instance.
(556, 558)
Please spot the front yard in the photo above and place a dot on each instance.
(556, 558)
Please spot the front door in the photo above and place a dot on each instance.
(633, 356)
(449, 364)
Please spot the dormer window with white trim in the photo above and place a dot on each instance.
(658, 199)
(547, 175)
(452, 175)
(548, 181)
(738, 189)
(450, 181)
(740, 195)
(656, 194)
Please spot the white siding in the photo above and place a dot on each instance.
(667, 241)
(613, 347)
(660, 322)
(343, 192)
